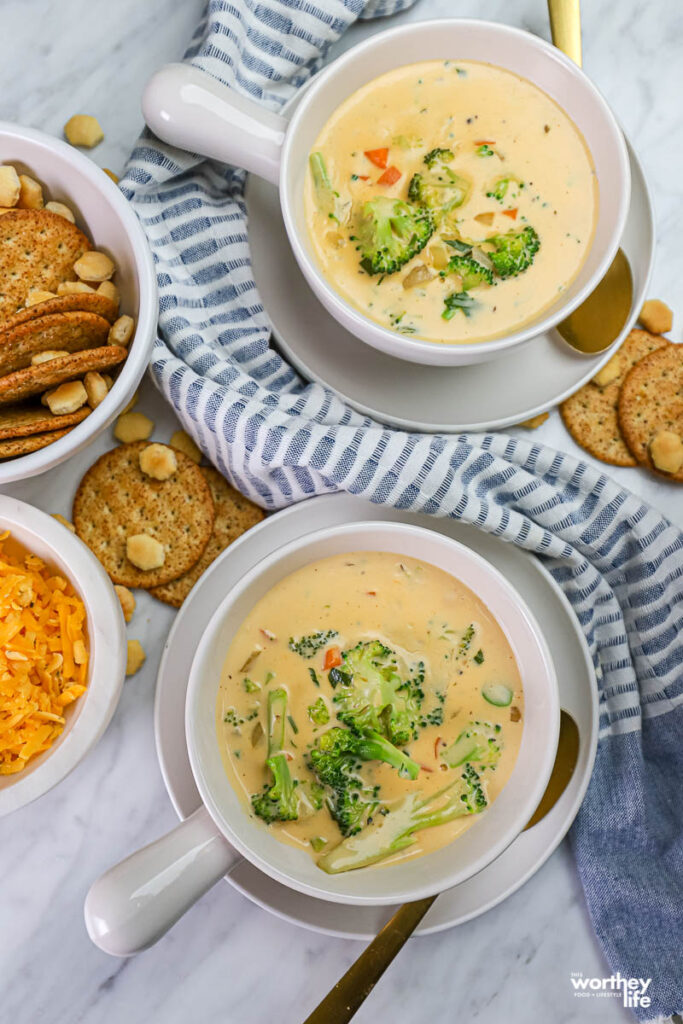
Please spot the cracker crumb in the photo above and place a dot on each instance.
(83, 130)
(655, 316)
(47, 355)
(95, 387)
(666, 451)
(158, 461)
(121, 331)
(73, 288)
(61, 210)
(136, 657)
(131, 405)
(94, 266)
(37, 295)
(31, 193)
(535, 421)
(145, 552)
(127, 601)
(67, 398)
(10, 186)
(110, 291)
(64, 522)
(184, 443)
(609, 372)
(133, 426)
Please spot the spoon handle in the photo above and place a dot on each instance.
(340, 1005)
(565, 27)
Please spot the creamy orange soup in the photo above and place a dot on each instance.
(370, 709)
(450, 200)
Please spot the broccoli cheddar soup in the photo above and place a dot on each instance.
(450, 200)
(369, 709)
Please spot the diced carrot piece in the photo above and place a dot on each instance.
(363, 177)
(512, 214)
(390, 176)
(485, 142)
(332, 658)
(378, 157)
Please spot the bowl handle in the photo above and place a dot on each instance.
(134, 903)
(188, 108)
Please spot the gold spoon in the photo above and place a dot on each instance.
(595, 324)
(340, 1005)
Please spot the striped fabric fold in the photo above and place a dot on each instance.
(280, 439)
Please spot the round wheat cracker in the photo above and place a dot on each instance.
(38, 249)
(58, 332)
(25, 420)
(79, 302)
(33, 380)
(115, 500)
(651, 399)
(235, 514)
(16, 446)
(590, 414)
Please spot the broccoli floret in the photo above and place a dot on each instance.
(349, 800)
(514, 251)
(328, 199)
(438, 154)
(370, 694)
(472, 273)
(336, 759)
(396, 829)
(457, 301)
(480, 742)
(278, 801)
(337, 746)
(389, 233)
(307, 646)
(319, 713)
(470, 268)
(501, 187)
(440, 189)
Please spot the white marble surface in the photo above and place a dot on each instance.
(228, 960)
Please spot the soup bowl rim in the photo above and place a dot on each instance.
(275, 858)
(451, 353)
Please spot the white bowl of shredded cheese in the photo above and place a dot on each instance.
(62, 652)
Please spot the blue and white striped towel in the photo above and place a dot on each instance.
(279, 440)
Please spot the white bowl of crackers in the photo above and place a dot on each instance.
(78, 302)
(62, 655)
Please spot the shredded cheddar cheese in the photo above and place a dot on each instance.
(43, 655)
